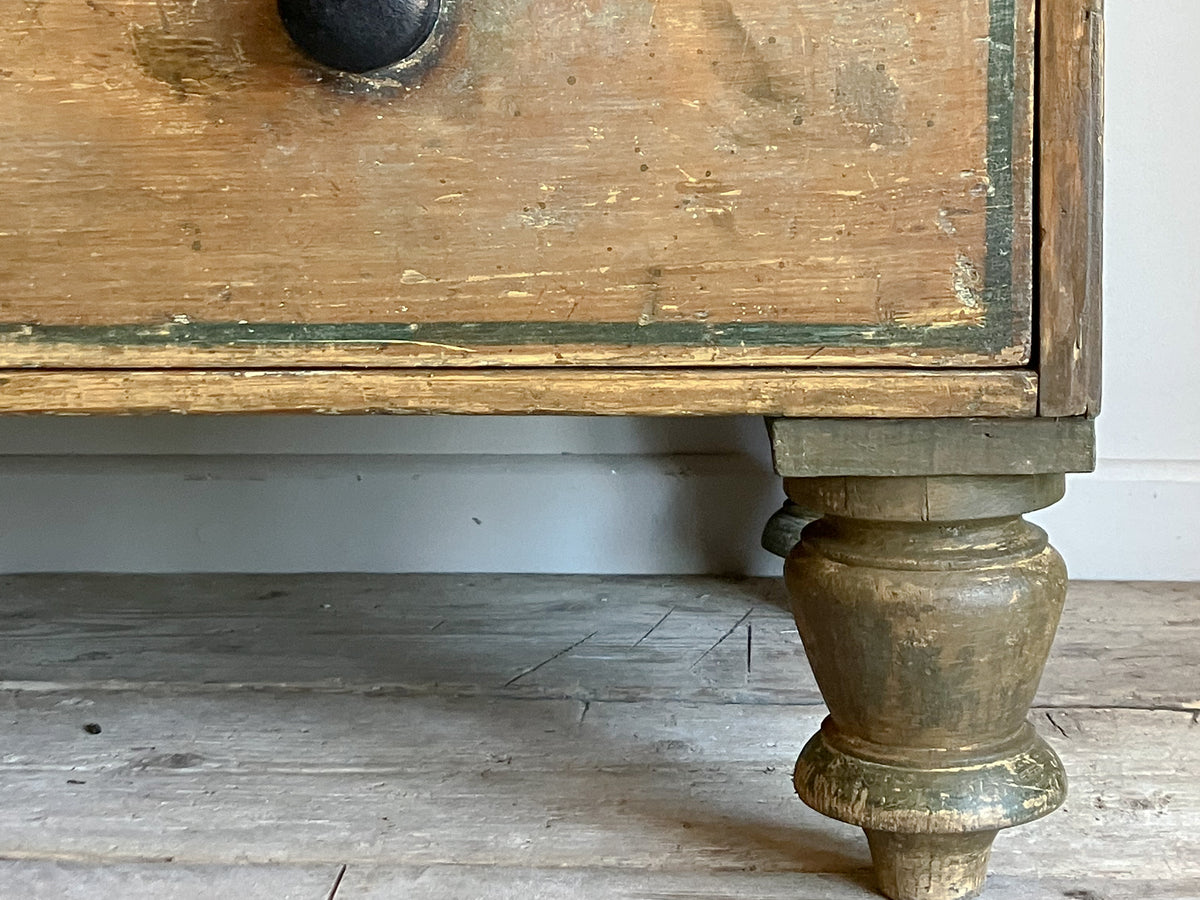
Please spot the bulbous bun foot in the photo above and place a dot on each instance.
(927, 606)
(931, 866)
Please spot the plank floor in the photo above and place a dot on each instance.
(522, 737)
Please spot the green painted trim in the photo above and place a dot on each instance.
(1001, 208)
(993, 336)
(480, 334)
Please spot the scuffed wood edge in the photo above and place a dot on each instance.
(18, 353)
(829, 393)
(1024, 161)
(1071, 122)
(881, 448)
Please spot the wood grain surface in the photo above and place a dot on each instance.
(684, 640)
(288, 777)
(605, 182)
(452, 736)
(665, 392)
(61, 880)
(882, 448)
(1071, 184)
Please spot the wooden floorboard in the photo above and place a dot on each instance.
(524, 737)
(437, 882)
(48, 880)
(267, 777)
(55, 880)
(632, 638)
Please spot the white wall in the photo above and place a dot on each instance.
(639, 496)
(376, 494)
(1138, 516)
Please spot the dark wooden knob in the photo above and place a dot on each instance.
(358, 35)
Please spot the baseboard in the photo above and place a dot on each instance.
(1130, 520)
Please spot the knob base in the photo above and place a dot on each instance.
(358, 35)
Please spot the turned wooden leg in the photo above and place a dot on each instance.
(927, 606)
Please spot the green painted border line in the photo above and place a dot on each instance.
(1000, 218)
(479, 334)
(994, 335)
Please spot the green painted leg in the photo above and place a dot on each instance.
(927, 606)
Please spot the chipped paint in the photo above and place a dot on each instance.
(188, 64)
(968, 282)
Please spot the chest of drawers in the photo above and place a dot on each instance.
(874, 222)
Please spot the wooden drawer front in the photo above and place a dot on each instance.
(602, 182)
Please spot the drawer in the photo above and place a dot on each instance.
(588, 182)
